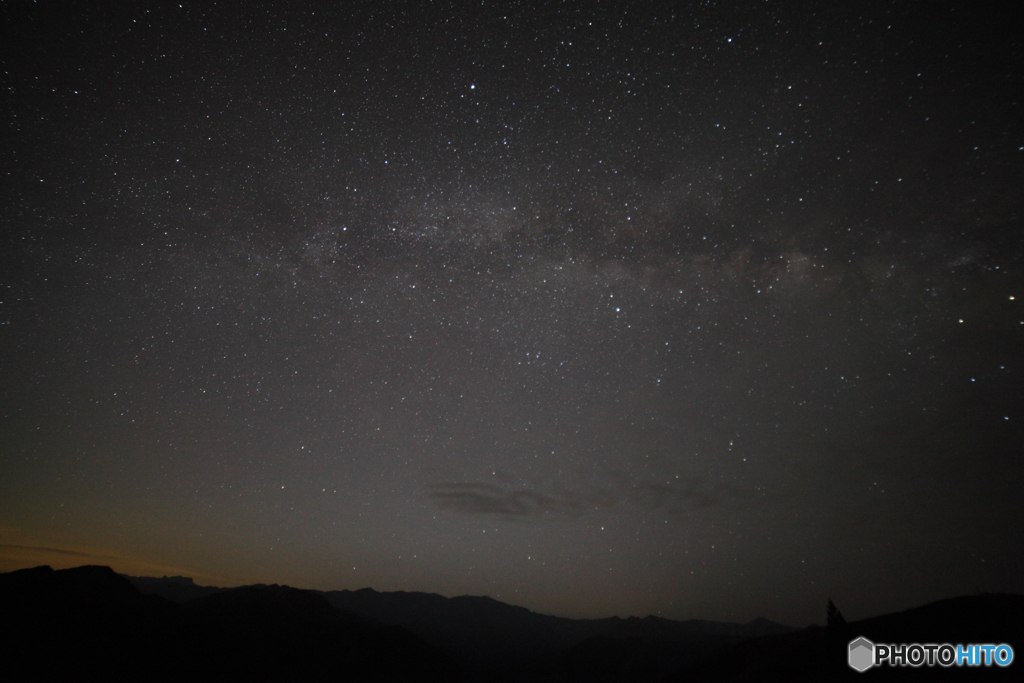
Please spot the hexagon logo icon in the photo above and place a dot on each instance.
(861, 654)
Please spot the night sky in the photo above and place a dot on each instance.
(705, 310)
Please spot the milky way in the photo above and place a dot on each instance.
(684, 310)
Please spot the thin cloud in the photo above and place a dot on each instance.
(490, 499)
(480, 498)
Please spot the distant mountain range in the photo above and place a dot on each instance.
(489, 637)
(90, 623)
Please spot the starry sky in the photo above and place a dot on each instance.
(695, 309)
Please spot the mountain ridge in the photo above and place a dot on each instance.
(58, 624)
(485, 634)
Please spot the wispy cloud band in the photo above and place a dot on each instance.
(489, 499)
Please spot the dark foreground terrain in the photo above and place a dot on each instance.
(90, 623)
(820, 654)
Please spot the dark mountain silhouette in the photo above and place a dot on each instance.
(507, 643)
(486, 634)
(89, 623)
(61, 625)
(819, 654)
(511, 643)
(605, 659)
(179, 589)
(281, 633)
